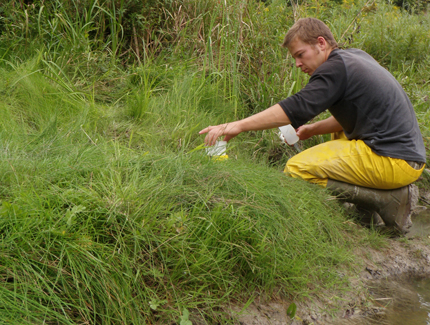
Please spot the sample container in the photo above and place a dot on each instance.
(289, 134)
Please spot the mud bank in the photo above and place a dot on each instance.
(400, 260)
(407, 257)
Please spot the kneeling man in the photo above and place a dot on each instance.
(378, 150)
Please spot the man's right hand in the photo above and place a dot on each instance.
(229, 130)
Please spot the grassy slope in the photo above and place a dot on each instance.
(111, 211)
(103, 218)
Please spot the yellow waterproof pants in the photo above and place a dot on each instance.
(353, 162)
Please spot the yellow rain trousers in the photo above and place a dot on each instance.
(353, 162)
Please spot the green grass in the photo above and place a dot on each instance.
(103, 217)
(111, 212)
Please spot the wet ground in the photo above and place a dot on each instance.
(397, 303)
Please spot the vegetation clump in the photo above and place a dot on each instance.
(111, 211)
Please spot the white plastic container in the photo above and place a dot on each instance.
(289, 134)
(219, 149)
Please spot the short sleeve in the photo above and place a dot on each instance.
(325, 88)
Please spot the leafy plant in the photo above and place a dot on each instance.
(184, 320)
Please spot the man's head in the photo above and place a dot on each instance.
(308, 30)
(310, 42)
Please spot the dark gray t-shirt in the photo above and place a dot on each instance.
(365, 99)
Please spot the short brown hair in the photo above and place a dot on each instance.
(308, 30)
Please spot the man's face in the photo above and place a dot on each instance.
(308, 57)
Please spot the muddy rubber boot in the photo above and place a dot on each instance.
(394, 206)
(369, 218)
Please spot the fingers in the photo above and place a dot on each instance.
(213, 132)
(210, 140)
(303, 132)
(205, 130)
(209, 136)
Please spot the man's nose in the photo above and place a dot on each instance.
(298, 63)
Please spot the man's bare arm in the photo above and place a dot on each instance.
(270, 118)
(329, 125)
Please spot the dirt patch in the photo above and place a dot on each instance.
(404, 257)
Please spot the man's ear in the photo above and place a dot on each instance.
(322, 43)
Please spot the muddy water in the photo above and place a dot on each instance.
(396, 303)
(399, 302)
(420, 225)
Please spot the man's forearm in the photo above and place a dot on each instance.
(270, 118)
(329, 125)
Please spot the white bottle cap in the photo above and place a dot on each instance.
(289, 134)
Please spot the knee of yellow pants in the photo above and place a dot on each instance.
(299, 169)
(295, 169)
